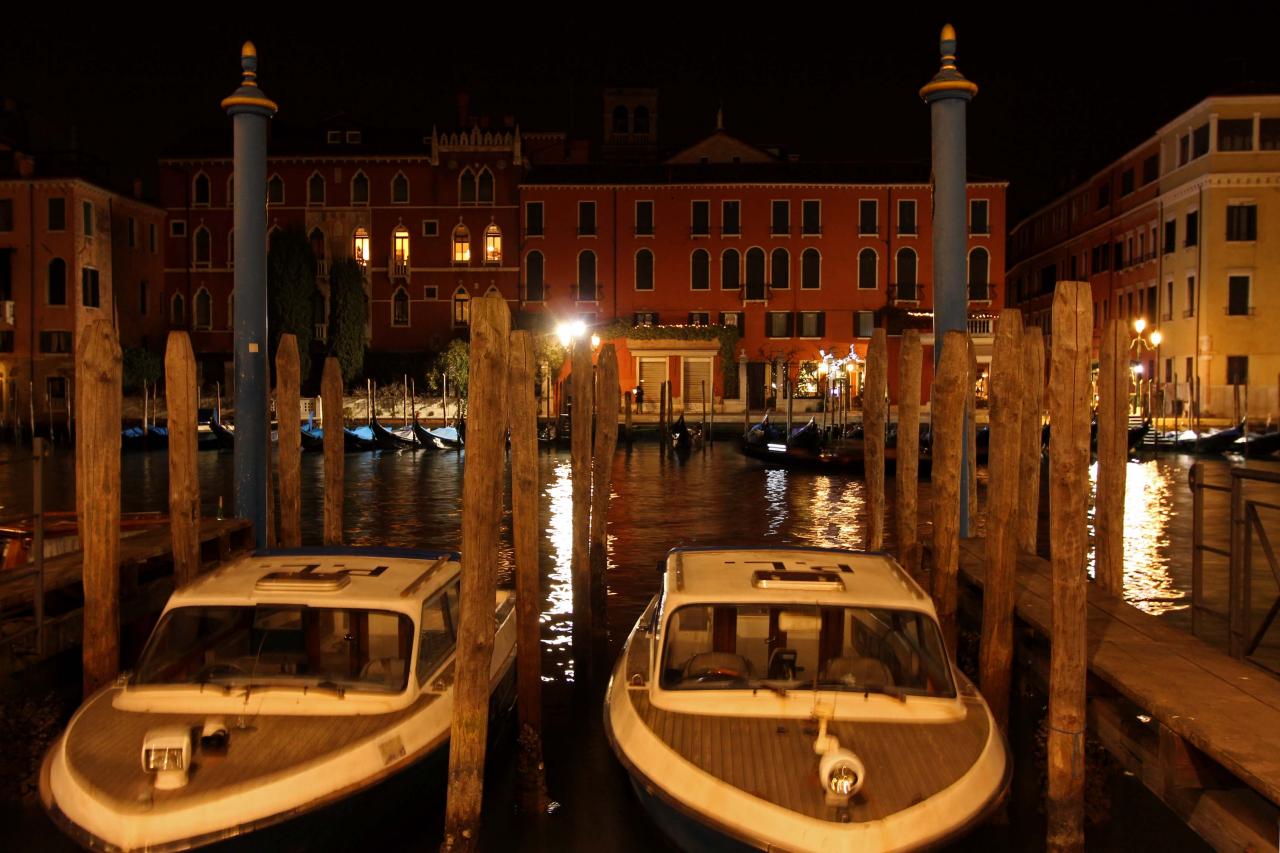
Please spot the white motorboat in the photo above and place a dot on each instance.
(800, 699)
(276, 684)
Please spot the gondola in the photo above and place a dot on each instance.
(358, 440)
(450, 437)
(1256, 444)
(157, 437)
(426, 440)
(226, 438)
(385, 439)
(133, 439)
(681, 440)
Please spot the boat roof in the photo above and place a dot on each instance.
(372, 578)
(790, 575)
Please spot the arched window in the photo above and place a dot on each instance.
(360, 247)
(867, 272)
(201, 251)
(644, 269)
(57, 293)
(461, 307)
(315, 189)
(587, 276)
(907, 274)
(461, 244)
(755, 273)
(317, 243)
(467, 187)
(730, 270)
(275, 190)
(493, 244)
(535, 289)
(979, 269)
(399, 189)
(400, 307)
(400, 251)
(640, 120)
(700, 270)
(231, 249)
(204, 310)
(484, 190)
(780, 268)
(810, 270)
(621, 121)
(359, 189)
(200, 190)
(178, 310)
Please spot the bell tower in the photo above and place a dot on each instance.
(630, 125)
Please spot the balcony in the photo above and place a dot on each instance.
(811, 231)
(400, 270)
(587, 292)
(980, 292)
(322, 332)
(906, 293)
(322, 268)
(976, 326)
(755, 291)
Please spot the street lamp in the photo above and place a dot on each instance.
(1150, 343)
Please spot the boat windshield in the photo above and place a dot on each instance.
(280, 645)
(794, 647)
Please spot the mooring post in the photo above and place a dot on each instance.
(39, 450)
(1030, 439)
(1197, 539)
(1069, 392)
(948, 462)
(98, 367)
(874, 418)
(184, 481)
(999, 589)
(481, 517)
(907, 469)
(290, 444)
(334, 449)
(627, 404)
(662, 415)
(971, 438)
(706, 437)
(522, 421)
(583, 387)
(1113, 456)
(786, 389)
(606, 442)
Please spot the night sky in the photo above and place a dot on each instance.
(1058, 99)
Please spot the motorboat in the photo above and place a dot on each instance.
(272, 686)
(800, 699)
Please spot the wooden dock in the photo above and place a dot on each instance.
(1199, 728)
(146, 579)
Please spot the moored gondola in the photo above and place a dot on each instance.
(358, 440)
(681, 439)
(385, 439)
(426, 440)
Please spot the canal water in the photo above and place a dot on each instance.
(716, 496)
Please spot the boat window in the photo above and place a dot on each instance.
(858, 649)
(280, 645)
(438, 631)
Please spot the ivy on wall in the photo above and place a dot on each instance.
(728, 336)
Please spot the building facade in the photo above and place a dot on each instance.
(71, 252)
(1180, 233)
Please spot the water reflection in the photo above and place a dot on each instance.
(557, 630)
(835, 511)
(775, 496)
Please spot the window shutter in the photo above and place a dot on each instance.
(822, 324)
(791, 325)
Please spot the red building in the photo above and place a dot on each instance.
(432, 216)
(802, 258)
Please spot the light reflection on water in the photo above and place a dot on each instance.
(557, 632)
(1148, 512)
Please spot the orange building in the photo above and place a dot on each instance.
(802, 259)
(71, 252)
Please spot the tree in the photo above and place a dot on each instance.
(347, 310)
(141, 365)
(291, 290)
(455, 361)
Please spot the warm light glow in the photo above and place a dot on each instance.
(401, 248)
(573, 330)
(362, 247)
(822, 368)
(595, 341)
(492, 245)
(1137, 368)
(850, 366)
(1139, 324)
(1156, 338)
(461, 245)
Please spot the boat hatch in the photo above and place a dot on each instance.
(301, 582)
(797, 580)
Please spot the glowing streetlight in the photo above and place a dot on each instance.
(1139, 325)
(1156, 337)
(595, 341)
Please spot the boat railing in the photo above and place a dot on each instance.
(1244, 527)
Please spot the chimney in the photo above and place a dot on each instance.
(463, 100)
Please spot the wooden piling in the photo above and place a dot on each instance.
(948, 397)
(1069, 391)
(290, 443)
(662, 414)
(706, 437)
(481, 517)
(522, 420)
(606, 442)
(907, 469)
(99, 366)
(184, 482)
(971, 446)
(1030, 439)
(628, 417)
(1113, 456)
(580, 454)
(787, 389)
(873, 432)
(334, 449)
(1003, 472)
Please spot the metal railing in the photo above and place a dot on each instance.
(1245, 524)
(978, 325)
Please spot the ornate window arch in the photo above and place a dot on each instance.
(275, 190)
(202, 316)
(980, 273)
(810, 269)
(177, 310)
(493, 244)
(202, 249)
(360, 247)
(868, 269)
(461, 244)
(315, 189)
(359, 188)
(400, 307)
(400, 189)
(700, 270)
(467, 186)
(200, 193)
(461, 307)
(484, 186)
(730, 270)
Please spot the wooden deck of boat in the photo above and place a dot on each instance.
(773, 758)
(1203, 704)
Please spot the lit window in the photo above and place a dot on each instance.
(400, 250)
(461, 307)
(461, 245)
(362, 247)
(492, 244)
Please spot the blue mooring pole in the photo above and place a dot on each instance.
(948, 95)
(250, 110)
